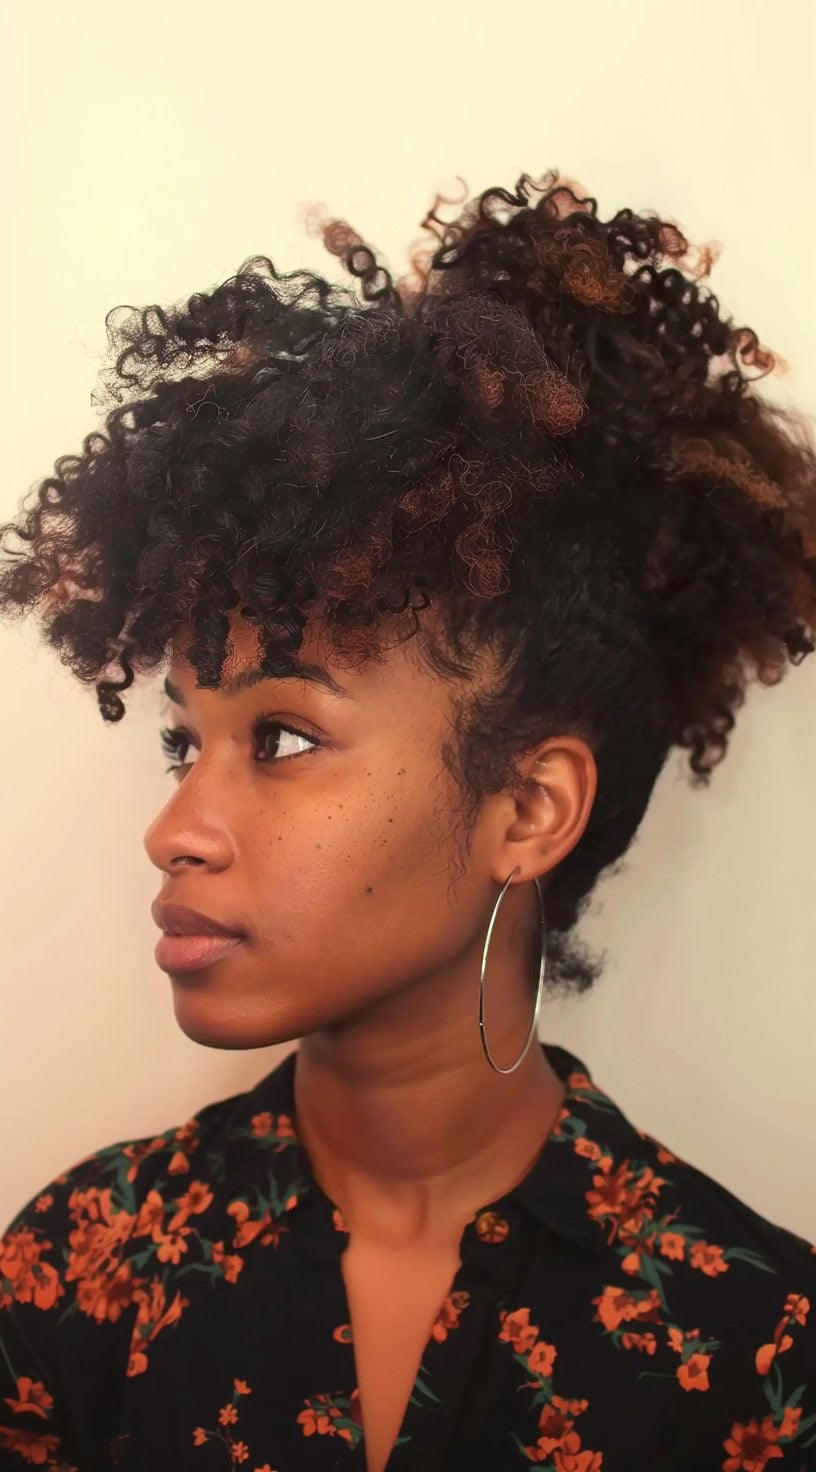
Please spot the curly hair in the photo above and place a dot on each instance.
(545, 428)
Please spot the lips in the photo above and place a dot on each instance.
(176, 919)
(179, 953)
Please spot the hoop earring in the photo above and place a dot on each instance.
(539, 994)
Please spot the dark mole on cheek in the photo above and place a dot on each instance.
(369, 889)
(401, 772)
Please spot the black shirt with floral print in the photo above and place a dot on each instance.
(178, 1303)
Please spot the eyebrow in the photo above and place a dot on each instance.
(313, 673)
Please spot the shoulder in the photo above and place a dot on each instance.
(734, 1288)
(117, 1177)
(72, 1292)
(701, 1261)
(62, 1250)
(750, 1285)
(116, 1189)
(696, 1284)
(716, 1226)
(647, 1194)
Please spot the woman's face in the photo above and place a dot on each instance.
(330, 852)
(334, 850)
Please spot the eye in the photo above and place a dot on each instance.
(175, 741)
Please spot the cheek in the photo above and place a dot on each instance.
(371, 858)
(350, 904)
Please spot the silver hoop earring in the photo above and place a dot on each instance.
(539, 994)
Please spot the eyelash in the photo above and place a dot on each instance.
(174, 738)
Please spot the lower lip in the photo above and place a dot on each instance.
(190, 952)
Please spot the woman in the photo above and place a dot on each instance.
(442, 578)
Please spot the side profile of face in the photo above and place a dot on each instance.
(338, 850)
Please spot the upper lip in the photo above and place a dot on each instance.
(181, 920)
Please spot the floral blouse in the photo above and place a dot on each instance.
(178, 1303)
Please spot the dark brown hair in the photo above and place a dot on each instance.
(546, 429)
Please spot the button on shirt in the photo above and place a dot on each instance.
(178, 1303)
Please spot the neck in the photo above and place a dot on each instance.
(408, 1128)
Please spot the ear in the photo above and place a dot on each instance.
(550, 810)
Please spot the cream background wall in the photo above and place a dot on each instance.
(146, 152)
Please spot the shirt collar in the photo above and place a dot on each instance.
(589, 1141)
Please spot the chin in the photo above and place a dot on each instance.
(224, 1027)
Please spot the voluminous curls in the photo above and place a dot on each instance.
(547, 429)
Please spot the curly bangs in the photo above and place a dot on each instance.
(545, 430)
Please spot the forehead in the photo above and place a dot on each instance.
(399, 667)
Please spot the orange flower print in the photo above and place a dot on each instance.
(672, 1246)
(616, 1306)
(789, 1425)
(578, 1080)
(96, 1242)
(280, 1126)
(153, 1316)
(138, 1151)
(150, 1217)
(708, 1259)
(333, 1415)
(238, 1450)
(567, 1459)
(32, 1281)
(39, 1448)
(665, 1156)
(693, 1373)
(195, 1199)
(265, 1227)
(541, 1359)
(318, 1415)
(556, 1130)
(587, 1148)
(751, 1447)
(448, 1316)
(185, 1138)
(797, 1308)
(517, 1330)
(35, 1447)
(567, 1456)
(645, 1342)
(105, 1296)
(558, 1443)
(230, 1262)
(490, 1227)
(32, 1396)
(624, 1199)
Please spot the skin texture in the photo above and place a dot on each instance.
(367, 915)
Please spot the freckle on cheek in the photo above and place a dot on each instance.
(369, 889)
